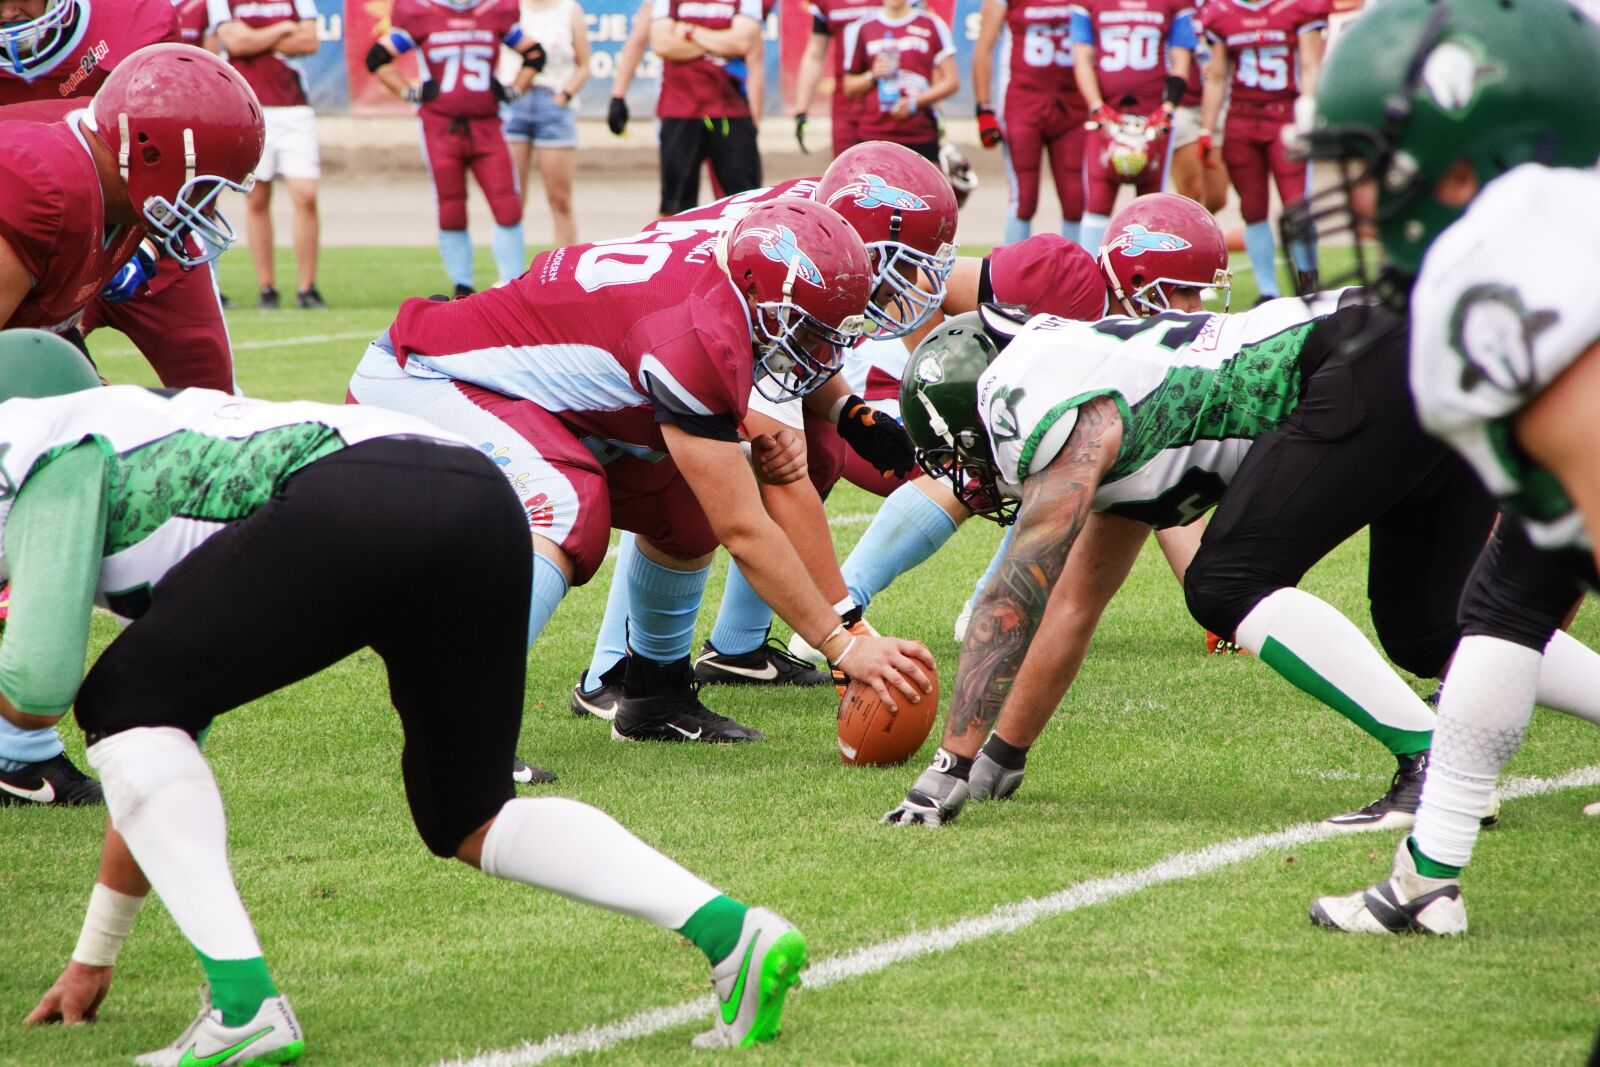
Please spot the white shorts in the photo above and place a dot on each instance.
(788, 412)
(291, 145)
(1186, 127)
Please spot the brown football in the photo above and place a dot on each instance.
(871, 733)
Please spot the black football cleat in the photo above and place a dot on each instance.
(52, 781)
(769, 664)
(601, 701)
(524, 774)
(661, 702)
(463, 291)
(1396, 809)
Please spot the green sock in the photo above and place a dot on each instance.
(1430, 868)
(715, 928)
(238, 987)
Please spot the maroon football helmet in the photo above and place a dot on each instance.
(184, 126)
(904, 210)
(1158, 242)
(811, 279)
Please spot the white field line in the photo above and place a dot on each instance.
(276, 342)
(1003, 920)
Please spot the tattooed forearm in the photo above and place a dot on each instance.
(1055, 505)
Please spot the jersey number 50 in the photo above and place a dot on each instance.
(1129, 48)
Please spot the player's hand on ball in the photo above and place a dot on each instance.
(76, 996)
(779, 458)
(897, 670)
(936, 798)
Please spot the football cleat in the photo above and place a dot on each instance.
(800, 649)
(272, 1037)
(1396, 809)
(1592, 809)
(526, 775)
(311, 299)
(1406, 903)
(51, 781)
(661, 702)
(463, 291)
(601, 701)
(963, 620)
(754, 980)
(1217, 645)
(769, 664)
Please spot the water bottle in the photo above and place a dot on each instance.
(889, 84)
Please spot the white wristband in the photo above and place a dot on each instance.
(105, 926)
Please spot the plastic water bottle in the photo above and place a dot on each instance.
(889, 84)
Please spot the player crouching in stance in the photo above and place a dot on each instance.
(211, 521)
(1467, 136)
(610, 382)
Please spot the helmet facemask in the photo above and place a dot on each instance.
(191, 213)
(790, 338)
(905, 305)
(967, 465)
(27, 48)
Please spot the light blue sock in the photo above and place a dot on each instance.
(743, 619)
(665, 604)
(994, 564)
(456, 248)
(548, 589)
(1263, 257)
(19, 747)
(611, 644)
(1017, 229)
(1069, 230)
(1304, 254)
(510, 257)
(907, 529)
(1091, 231)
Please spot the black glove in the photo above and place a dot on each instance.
(617, 116)
(800, 123)
(876, 438)
(421, 94)
(503, 93)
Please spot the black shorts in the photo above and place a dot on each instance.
(730, 144)
(1351, 455)
(413, 547)
(1519, 593)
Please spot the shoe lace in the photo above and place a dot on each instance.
(777, 651)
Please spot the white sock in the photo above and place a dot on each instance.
(1569, 678)
(584, 854)
(1485, 708)
(1322, 653)
(164, 801)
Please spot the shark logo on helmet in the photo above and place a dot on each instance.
(1135, 240)
(778, 244)
(872, 191)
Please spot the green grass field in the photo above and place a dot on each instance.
(393, 957)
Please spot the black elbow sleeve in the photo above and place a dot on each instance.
(377, 56)
(1176, 87)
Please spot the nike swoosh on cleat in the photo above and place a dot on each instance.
(738, 986)
(45, 794)
(189, 1059)
(765, 674)
(687, 736)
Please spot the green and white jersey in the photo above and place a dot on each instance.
(179, 467)
(1506, 302)
(1194, 390)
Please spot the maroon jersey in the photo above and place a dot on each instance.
(711, 86)
(193, 20)
(1048, 275)
(1264, 42)
(52, 214)
(831, 18)
(920, 42)
(612, 338)
(1041, 52)
(276, 80)
(722, 214)
(457, 49)
(1130, 39)
(109, 34)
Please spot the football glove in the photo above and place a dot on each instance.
(132, 278)
(617, 116)
(503, 93)
(1160, 119)
(1205, 142)
(800, 124)
(989, 132)
(421, 93)
(1104, 115)
(876, 438)
(936, 799)
(997, 770)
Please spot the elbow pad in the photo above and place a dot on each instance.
(534, 57)
(1176, 87)
(377, 56)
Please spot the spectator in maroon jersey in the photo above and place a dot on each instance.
(902, 60)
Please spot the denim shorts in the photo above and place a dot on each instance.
(535, 117)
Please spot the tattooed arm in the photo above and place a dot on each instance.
(1007, 615)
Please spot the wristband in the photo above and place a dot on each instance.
(833, 634)
(105, 926)
(836, 661)
(1176, 87)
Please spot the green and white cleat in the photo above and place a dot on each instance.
(1405, 903)
(273, 1037)
(753, 981)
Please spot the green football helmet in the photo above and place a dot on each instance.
(1413, 86)
(939, 406)
(34, 363)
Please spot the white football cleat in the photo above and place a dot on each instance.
(963, 620)
(272, 1037)
(1405, 903)
(753, 981)
(800, 649)
(1592, 809)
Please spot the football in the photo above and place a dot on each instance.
(871, 733)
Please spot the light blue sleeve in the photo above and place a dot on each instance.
(1082, 27)
(1182, 32)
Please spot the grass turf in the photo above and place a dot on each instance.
(393, 957)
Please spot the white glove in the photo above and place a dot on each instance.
(936, 798)
(990, 781)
